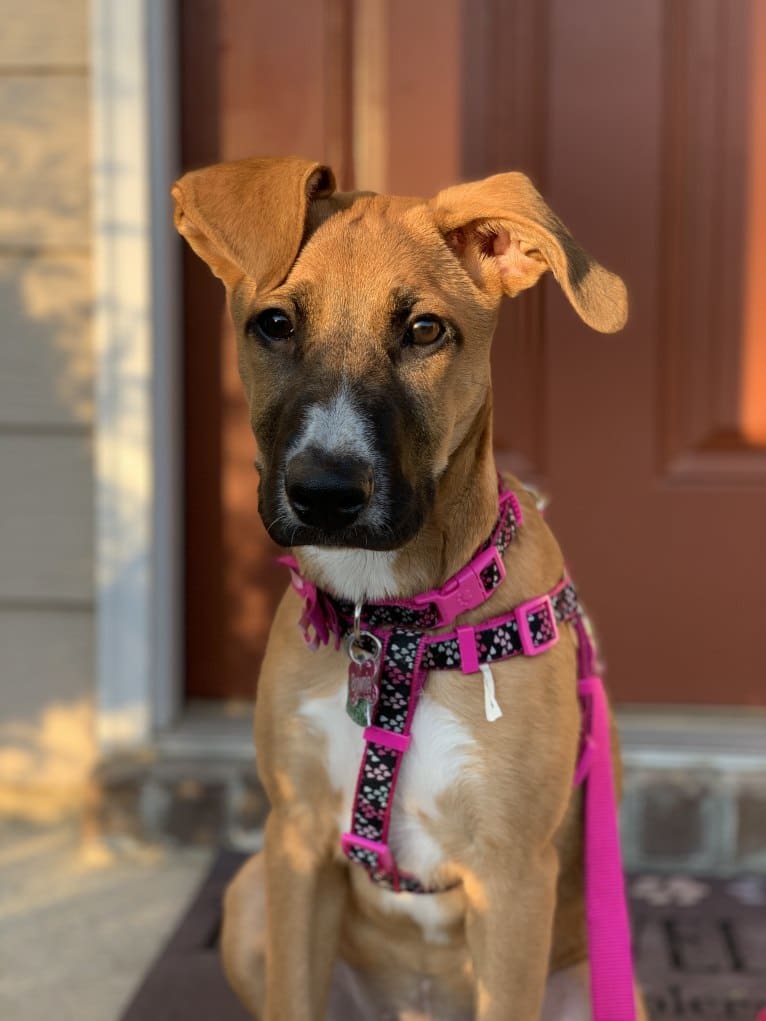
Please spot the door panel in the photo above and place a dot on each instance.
(640, 123)
(666, 522)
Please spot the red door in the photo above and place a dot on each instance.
(640, 123)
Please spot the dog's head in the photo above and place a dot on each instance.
(363, 326)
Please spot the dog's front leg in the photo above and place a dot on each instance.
(509, 929)
(305, 897)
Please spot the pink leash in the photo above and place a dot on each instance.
(609, 940)
(609, 947)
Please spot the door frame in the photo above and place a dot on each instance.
(135, 111)
(137, 299)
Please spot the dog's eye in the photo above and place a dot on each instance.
(272, 324)
(425, 330)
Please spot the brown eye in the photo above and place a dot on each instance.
(425, 330)
(272, 324)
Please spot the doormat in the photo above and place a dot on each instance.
(700, 948)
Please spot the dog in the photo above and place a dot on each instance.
(363, 325)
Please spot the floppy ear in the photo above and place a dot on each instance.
(247, 218)
(504, 219)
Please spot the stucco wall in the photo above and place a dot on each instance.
(46, 407)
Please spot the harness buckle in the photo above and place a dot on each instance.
(465, 590)
(349, 841)
(536, 621)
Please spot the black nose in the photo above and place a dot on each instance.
(327, 493)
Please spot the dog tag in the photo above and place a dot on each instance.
(363, 675)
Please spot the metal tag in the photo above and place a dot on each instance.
(363, 650)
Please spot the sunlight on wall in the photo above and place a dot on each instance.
(55, 298)
(44, 765)
(45, 154)
(121, 726)
(45, 140)
(47, 725)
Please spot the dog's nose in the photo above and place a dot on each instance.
(328, 493)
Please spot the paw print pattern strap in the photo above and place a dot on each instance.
(529, 630)
(387, 739)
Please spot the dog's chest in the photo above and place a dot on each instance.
(440, 755)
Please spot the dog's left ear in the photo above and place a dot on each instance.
(247, 218)
(504, 222)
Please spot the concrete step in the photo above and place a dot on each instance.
(694, 789)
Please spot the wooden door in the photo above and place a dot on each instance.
(640, 123)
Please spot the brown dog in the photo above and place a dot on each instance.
(364, 325)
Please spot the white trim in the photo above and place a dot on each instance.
(725, 738)
(164, 154)
(135, 321)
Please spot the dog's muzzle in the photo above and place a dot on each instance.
(328, 493)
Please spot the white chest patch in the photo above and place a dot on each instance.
(441, 753)
(355, 574)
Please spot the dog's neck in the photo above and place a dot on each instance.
(462, 516)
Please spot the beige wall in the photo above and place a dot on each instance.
(46, 407)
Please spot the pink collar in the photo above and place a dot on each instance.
(324, 614)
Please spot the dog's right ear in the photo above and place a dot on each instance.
(248, 218)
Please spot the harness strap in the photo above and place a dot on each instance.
(528, 630)
(407, 656)
(386, 741)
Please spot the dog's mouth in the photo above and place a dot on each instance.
(356, 537)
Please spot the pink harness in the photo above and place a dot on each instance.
(391, 653)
